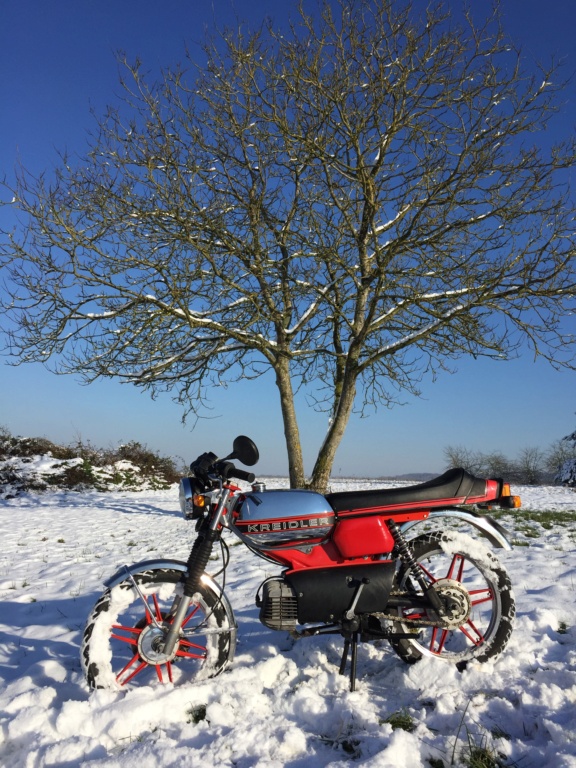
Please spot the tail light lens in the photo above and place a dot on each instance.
(506, 500)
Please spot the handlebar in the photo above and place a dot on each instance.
(249, 477)
(207, 464)
(203, 467)
(226, 470)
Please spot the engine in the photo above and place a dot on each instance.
(278, 604)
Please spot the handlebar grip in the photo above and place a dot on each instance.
(249, 477)
(225, 470)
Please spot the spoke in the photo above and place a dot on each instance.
(461, 571)
(188, 644)
(484, 595)
(457, 564)
(190, 616)
(427, 572)
(185, 655)
(127, 667)
(169, 670)
(157, 607)
(415, 615)
(133, 675)
(441, 642)
(159, 673)
(129, 640)
(479, 636)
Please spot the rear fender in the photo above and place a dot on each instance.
(488, 527)
(128, 571)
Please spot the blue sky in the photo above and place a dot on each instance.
(57, 63)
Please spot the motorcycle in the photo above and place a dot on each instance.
(354, 563)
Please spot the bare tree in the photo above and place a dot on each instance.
(351, 204)
(459, 456)
(496, 464)
(531, 465)
(557, 453)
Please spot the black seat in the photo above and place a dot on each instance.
(453, 484)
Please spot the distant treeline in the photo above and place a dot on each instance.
(532, 466)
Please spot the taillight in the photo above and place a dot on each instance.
(506, 500)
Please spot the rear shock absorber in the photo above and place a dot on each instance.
(409, 561)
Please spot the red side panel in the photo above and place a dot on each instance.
(492, 492)
(363, 536)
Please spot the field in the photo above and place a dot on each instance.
(282, 703)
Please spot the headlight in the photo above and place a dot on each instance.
(192, 504)
(185, 496)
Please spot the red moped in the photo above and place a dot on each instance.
(353, 563)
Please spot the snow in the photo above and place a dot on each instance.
(567, 473)
(281, 703)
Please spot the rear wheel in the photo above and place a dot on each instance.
(122, 643)
(480, 590)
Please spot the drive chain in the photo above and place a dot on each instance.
(439, 623)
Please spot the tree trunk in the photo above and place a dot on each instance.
(291, 432)
(323, 467)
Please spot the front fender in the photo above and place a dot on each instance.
(127, 571)
(144, 565)
(488, 527)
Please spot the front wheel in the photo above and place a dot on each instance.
(472, 575)
(122, 643)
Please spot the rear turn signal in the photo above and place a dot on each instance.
(506, 500)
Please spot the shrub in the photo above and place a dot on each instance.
(149, 462)
(80, 465)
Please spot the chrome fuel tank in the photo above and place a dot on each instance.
(284, 517)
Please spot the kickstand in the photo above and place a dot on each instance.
(351, 640)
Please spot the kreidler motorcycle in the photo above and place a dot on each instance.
(354, 563)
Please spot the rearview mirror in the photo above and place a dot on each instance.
(244, 450)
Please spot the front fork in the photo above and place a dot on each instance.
(208, 534)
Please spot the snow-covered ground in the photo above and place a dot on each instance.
(281, 703)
